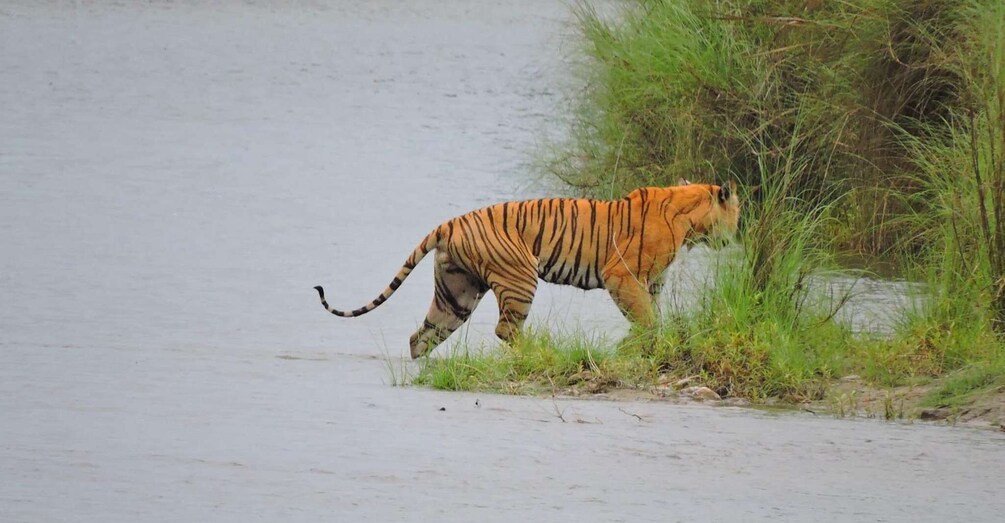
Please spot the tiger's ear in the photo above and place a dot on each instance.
(682, 181)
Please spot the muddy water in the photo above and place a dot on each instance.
(175, 178)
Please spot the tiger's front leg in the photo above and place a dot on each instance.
(631, 296)
(514, 293)
(456, 294)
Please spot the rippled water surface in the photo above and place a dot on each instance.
(175, 177)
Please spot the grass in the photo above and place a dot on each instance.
(966, 385)
(874, 129)
(538, 361)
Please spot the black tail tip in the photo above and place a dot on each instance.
(321, 291)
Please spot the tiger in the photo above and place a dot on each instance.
(622, 245)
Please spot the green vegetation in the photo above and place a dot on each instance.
(874, 129)
(538, 361)
(968, 384)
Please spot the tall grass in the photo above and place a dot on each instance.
(960, 210)
(681, 87)
(986, 79)
(871, 126)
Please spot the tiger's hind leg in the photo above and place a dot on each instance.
(456, 294)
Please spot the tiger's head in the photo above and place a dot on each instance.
(718, 225)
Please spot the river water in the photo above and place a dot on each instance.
(175, 177)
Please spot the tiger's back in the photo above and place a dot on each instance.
(560, 237)
(573, 240)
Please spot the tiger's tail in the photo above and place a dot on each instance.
(427, 244)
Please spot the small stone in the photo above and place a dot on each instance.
(705, 393)
(736, 402)
(442, 409)
(935, 414)
(851, 377)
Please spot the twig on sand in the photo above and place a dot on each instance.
(554, 402)
(636, 416)
(559, 413)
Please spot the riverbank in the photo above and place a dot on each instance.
(973, 397)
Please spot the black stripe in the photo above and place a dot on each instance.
(442, 291)
(596, 265)
(555, 253)
(642, 235)
(559, 216)
(521, 218)
(536, 249)
(575, 264)
(593, 218)
(628, 216)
